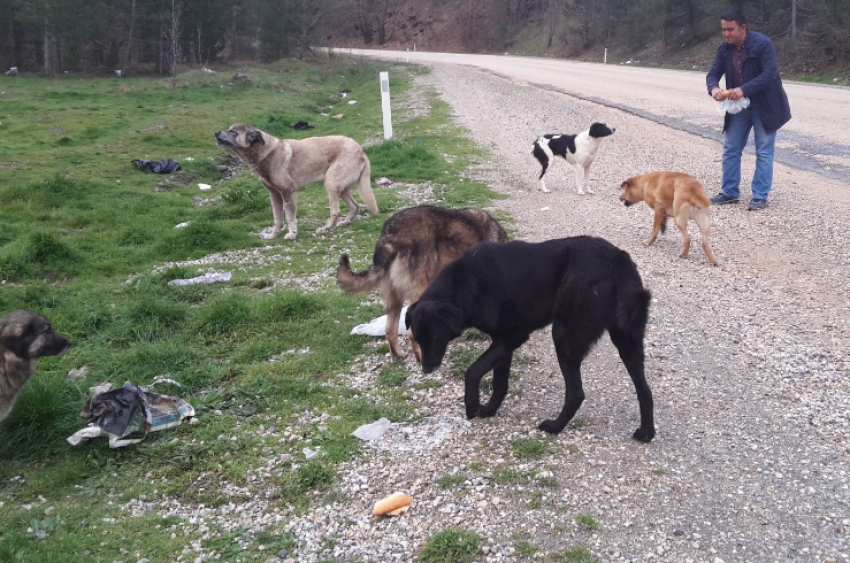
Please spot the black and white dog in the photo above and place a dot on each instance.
(578, 150)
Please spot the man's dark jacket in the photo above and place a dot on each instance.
(762, 84)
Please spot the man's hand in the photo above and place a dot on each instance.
(735, 94)
(718, 94)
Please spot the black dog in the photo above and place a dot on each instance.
(581, 285)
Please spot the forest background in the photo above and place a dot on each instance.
(812, 37)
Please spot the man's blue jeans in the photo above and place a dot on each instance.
(734, 142)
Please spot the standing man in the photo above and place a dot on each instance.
(748, 60)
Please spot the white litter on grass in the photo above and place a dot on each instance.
(377, 327)
(211, 277)
(188, 158)
(352, 102)
(204, 187)
(182, 225)
(373, 431)
(425, 435)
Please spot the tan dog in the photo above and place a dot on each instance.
(672, 194)
(24, 337)
(284, 165)
(415, 244)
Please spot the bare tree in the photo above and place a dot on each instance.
(173, 33)
(129, 38)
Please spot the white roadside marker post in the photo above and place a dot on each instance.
(385, 105)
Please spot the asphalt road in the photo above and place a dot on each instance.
(817, 139)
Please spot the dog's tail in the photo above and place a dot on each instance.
(632, 300)
(356, 282)
(364, 186)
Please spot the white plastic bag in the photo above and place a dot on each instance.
(378, 327)
(730, 106)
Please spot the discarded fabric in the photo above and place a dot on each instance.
(378, 327)
(301, 126)
(204, 187)
(212, 277)
(164, 166)
(126, 415)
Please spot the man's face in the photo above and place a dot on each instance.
(733, 33)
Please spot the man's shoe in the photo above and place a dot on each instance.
(757, 204)
(723, 198)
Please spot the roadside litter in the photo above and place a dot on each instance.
(204, 187)
(373, 431)
(378, 327)
(384, 182)
(301, 125)
(126, 415)
(212, 277)
(164, 166)
(337, 116)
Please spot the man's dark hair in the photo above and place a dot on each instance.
(736, 16)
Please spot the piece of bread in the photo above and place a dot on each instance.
(392, 503)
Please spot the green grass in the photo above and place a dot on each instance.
(572, 555)
(587, 521)
(450, 481)
(452, 545)
(529, 448)
(89, 241)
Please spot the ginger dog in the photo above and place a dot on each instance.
(676, 195)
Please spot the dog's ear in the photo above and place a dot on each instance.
(407, 318)
(627, 184)
(12, 338)
(452, 317)
(255, 137)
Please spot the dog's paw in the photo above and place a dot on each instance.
(272, 235)
(290, 235)
(580, 192)
(648, 241)
(550, 426)
(545, 190)
(486, 411)
(644, 436)
(322, 230)
(472, 411)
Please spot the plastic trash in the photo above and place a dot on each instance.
(127, 414)
(378, 327)
(373, 431)
(384, 182)
(301, 125)
(730, 106)
(164, 166)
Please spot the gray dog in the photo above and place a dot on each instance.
(284, 165)
(24, 337)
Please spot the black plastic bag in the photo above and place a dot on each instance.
(164, 166)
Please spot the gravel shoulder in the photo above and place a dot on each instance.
(747, 362)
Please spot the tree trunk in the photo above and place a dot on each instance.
(129, 38)
(794, 21)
